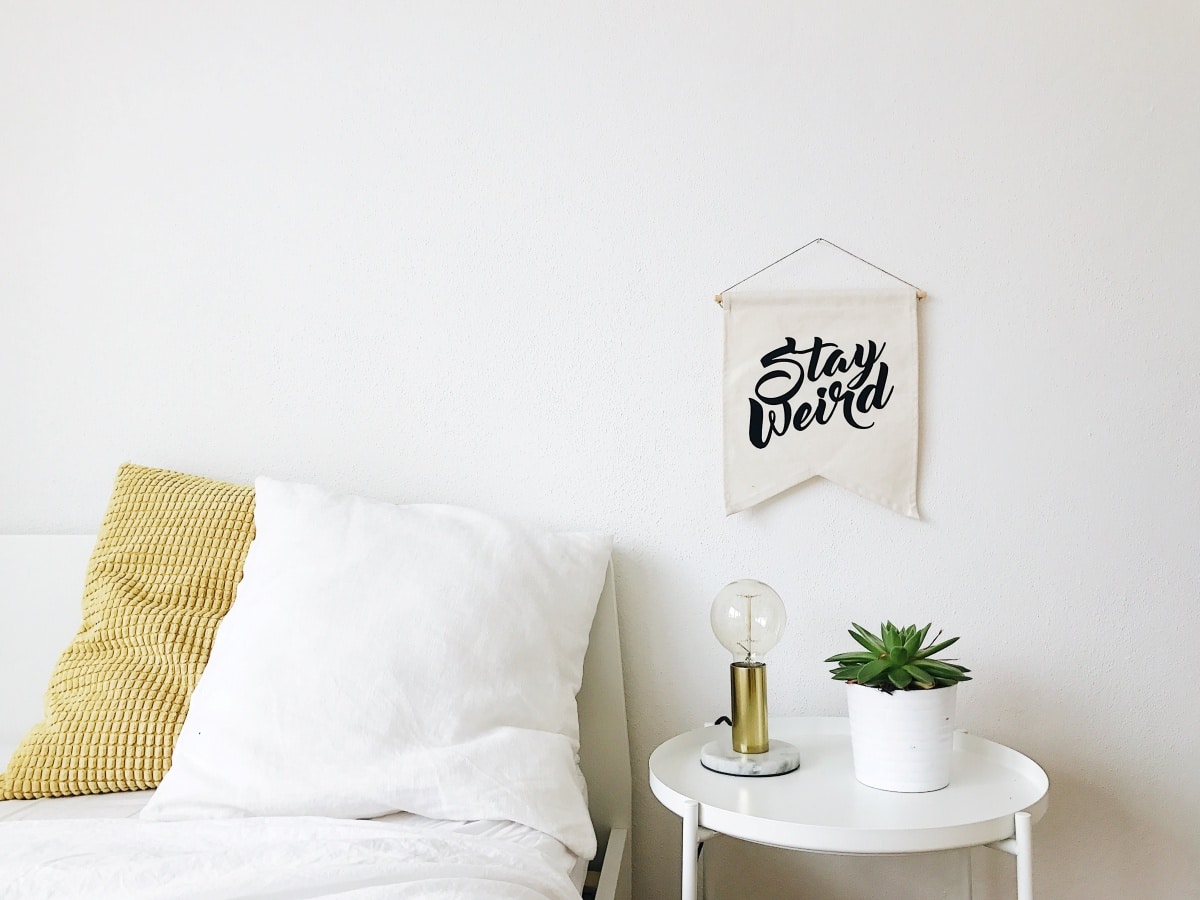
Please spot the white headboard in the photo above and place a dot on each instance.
(603, 733)
(41, 583)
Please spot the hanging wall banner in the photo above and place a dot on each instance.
(821, 383)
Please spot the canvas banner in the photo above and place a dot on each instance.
(821, 383)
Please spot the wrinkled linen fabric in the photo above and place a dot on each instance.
(284, 858)
(380, 658)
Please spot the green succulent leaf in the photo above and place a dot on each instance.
(868, 640)
(900, 678)
(872, 670)
(857, 656)
(937, 648)
(891, 637)
(920, 675)
(945, 671)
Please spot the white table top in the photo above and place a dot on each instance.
(822, 807)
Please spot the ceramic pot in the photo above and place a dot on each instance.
(902, 741)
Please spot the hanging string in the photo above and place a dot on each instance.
(772, 265)
(920, 293)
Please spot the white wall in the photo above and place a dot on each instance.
(466, 252)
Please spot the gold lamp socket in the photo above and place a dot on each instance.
(748, 692)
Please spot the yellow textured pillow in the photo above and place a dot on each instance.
(167, 562)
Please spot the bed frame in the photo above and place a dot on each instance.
(41, 581)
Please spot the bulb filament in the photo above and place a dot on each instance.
(748, 646)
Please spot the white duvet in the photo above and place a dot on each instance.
(280, 858)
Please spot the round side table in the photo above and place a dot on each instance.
(995, 796)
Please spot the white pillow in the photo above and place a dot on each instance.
(381, 658)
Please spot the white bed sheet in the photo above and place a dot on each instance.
(95, 846)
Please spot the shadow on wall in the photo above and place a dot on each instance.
(1111, 835)
(737, 869)
(1111, 831)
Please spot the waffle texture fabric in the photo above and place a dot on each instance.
(164, 571)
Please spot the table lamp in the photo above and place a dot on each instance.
(748, 619)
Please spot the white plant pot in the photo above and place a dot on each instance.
(902, 741)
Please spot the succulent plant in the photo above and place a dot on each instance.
(897, 659)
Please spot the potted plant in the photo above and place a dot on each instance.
(901, 703)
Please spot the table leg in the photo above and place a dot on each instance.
(1020, 845)
(690, 850)
(1024, 836)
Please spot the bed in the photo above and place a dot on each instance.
(97, 844)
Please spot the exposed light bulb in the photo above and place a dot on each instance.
(748, 618)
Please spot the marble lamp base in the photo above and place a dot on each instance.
(779, 759)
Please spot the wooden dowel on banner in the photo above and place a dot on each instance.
(921, 295)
